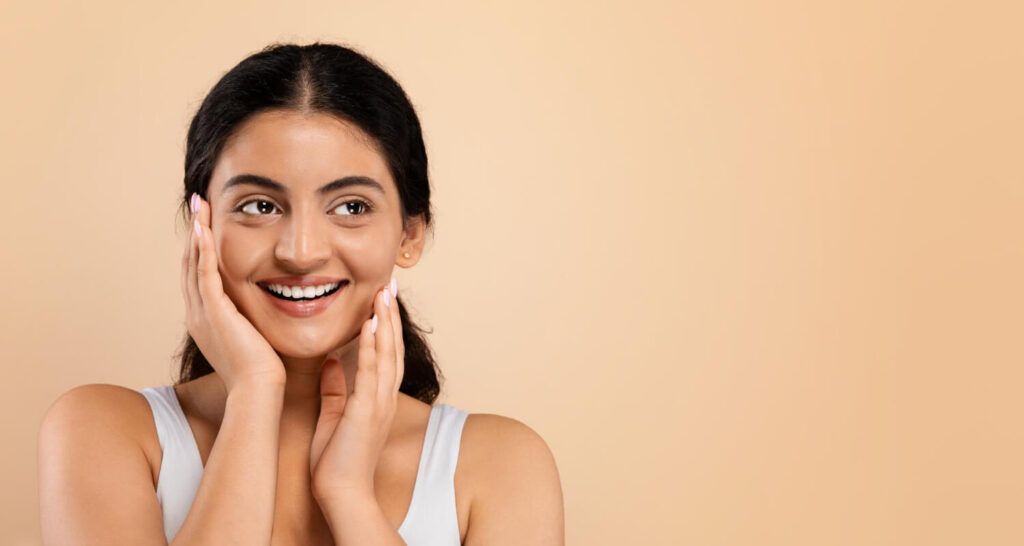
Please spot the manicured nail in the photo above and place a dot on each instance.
(394, 286)
(387, 298)
(194, 202)
(373, 324)
(195, 224)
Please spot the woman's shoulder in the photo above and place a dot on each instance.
(108, 408)
(113, 404)
(512, 471)
(488, 437)
(490, 444)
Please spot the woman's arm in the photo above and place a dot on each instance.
(358, 519)
(96, 484)
(517, 491)
(235, 500)
(95, 481)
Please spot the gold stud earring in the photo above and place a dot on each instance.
(406, 254)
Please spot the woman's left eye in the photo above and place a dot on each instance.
(257, 202)
(362, 205)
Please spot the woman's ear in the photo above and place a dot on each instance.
(412, 242)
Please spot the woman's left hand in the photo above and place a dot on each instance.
(351, 433)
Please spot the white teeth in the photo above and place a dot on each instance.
(299, 292)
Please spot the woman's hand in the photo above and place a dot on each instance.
(350, 433)
(235, 349)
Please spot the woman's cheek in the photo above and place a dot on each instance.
(239, 258)
(369, 258)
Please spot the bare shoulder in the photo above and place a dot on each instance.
(113, 408)
(515, 480)
(107, 405)
(104, 403)
(490, 435)
(95, 480)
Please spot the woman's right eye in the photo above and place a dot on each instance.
(255, 206)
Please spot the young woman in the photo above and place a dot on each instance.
(304, 412)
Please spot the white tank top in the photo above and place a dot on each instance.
(430, 521)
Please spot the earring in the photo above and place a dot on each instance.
(406, 254)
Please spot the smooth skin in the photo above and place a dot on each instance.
(263, 441)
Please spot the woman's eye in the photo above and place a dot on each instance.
(352, 206)
(262, 207)
(257, 205)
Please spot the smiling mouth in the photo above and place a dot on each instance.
(302, 298)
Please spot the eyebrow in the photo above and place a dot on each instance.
(272, 185)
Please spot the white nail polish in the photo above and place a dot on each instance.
(373, 324)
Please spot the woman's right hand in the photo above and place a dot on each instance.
(232, 345)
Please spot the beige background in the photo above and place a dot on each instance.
(752, 269)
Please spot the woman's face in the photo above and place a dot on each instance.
(350, 233)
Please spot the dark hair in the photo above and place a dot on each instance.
(341, 82)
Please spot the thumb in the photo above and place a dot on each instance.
(332, 405)
(332, 389)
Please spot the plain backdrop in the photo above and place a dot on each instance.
(752, 269)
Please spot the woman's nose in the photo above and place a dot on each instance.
(303, 244)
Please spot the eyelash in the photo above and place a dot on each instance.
(366, 206)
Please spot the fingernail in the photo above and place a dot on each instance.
(194, 202)
(195, 224)
(387, 298)
(373, 325)
(394, 286)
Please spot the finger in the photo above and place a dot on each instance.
(186, 251)
(332, 406)
(332, 386)
(385, 346)
(396, 324)
(332, 393)
(208, 278)
(193, 266)
(366, 367)
(396, 336)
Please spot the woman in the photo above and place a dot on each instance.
(304, 412)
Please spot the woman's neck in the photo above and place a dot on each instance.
(302, 385)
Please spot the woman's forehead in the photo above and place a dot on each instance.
(299, 149)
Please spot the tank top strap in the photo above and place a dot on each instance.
(432, 511)
(181, 467)
(171, 426)
(444, 442)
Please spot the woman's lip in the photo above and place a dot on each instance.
(303, 309)
(300, 281)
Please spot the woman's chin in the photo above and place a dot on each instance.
(293, 347)
(297, 349)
